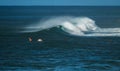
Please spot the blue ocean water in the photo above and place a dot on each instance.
(59, 50)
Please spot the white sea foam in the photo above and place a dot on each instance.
(74, 25)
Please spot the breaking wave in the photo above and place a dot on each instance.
(79, 26)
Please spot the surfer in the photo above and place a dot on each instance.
(30, 39)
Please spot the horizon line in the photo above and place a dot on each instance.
(59, 5)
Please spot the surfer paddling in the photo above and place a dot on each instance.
(30, 39)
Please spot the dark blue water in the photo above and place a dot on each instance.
(58, 51)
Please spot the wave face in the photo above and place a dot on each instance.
(79, 26)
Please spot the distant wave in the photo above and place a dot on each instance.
(79, 26)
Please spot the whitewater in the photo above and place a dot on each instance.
(78, 26)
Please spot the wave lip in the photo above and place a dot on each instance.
(75, 26)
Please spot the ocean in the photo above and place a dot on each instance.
(72, 38)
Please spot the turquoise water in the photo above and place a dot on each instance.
(59, 51)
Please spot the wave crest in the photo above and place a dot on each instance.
(75, 26)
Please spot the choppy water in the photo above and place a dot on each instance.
(59, 51)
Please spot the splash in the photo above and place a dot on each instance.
(79, 26)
